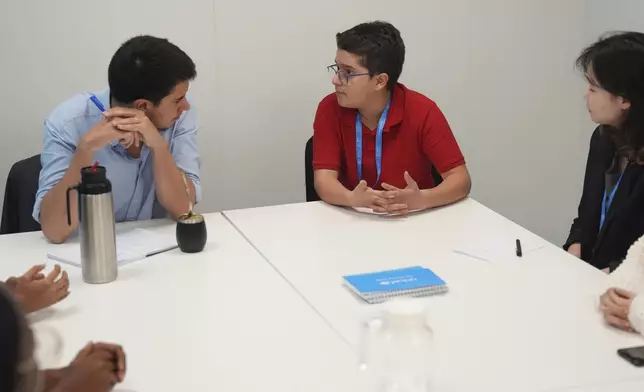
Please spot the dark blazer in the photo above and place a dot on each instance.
(625, 219)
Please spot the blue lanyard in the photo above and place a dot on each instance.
(607, 200)
(381, 127)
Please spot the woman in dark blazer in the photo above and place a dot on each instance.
(611, 211)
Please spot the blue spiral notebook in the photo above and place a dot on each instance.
(377, 287)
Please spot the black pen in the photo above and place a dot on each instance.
(519, 251)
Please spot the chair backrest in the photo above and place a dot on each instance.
(436, 176)
(312, 195)
(20, 196)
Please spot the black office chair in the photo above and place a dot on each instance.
(20, 196)
(436, 176)
(312, 195)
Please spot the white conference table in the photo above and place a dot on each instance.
(513, 324)
(220, 320)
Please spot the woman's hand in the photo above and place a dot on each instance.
(615, 304)
(35, 291)
(575, 250)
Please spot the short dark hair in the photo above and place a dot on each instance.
(380, 47)
(617, 64)
(147, 67)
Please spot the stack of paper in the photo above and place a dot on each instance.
(131, 245)
(410, 282)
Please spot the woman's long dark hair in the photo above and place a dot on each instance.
(18, 369)
(10, 341)
(617, 64)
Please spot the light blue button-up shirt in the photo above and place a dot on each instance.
(133, 188)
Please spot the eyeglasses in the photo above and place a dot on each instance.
(343, 75)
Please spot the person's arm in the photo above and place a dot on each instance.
(442, 149)
(629, 275)
(61, 165)
(636, 314)
(169, 183)
(66, 151)
(35, 291)
(622, 301)
(327, 155)
(330, 189)
(456, 185)
(52, 378)
(171, 161)
(327, 158)
(97, 367)
(573, 243)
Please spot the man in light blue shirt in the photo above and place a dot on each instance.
(142, 130)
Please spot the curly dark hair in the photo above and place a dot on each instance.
(617, 64)
(379, 46)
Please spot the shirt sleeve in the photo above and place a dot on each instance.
(55, 159)
(439, 143)
(327, 141)
(629, 276)
(184, 149)
(636, 314)
(593, 162)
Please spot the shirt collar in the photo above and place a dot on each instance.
(396, 110)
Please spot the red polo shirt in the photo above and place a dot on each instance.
(416, 135)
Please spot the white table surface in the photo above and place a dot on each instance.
(518, 324)
(220, 320)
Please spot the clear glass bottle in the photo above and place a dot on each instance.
(397, 349)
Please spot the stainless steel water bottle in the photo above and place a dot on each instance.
(96, 225)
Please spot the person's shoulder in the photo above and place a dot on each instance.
(187, 123)
(69, 109)
(75, 116)
(601, 141)
(420, 110)
(191, 101)
(417, 100)
(189, 117)
(598, 133)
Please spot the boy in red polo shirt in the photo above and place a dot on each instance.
(375, 140)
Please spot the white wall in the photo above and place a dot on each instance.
(501, 70)
(613, 15)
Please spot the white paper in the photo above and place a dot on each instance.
(498, 249)
(131, 245)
